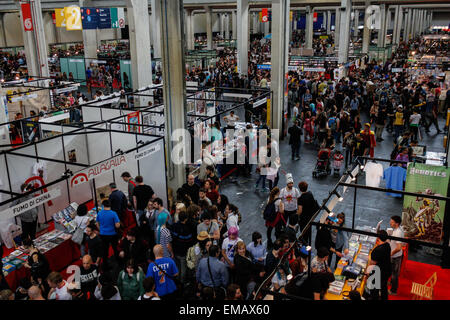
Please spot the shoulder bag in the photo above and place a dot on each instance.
(78, 235)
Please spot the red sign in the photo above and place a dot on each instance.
(26, 16)
(54, 18)
(264, 15)
(315, 17)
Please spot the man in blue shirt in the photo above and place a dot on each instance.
(159, 208)
(163, 271)
(216, 274)
(107, 222)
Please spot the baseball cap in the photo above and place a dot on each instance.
(203, 235)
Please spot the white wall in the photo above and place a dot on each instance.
(13, 29)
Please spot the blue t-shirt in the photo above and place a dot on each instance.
(394, 177)
(163, 284)
(107, 220)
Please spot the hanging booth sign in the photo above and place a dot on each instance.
(133, 118)
(23, 97)
(308, 69)
(422, 217)
(66, 89)
(26, 16)
(72, 16)
(30, 204)
(314, 16)
(264, 15)
(264, 66)
(89, 18)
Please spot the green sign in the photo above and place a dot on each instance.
(422, 217)
(117, 18)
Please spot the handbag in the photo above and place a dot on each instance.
(78, 235)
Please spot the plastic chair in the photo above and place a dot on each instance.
(421, 291)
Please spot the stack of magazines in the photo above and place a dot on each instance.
(337, 285)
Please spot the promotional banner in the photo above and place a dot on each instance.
(314, 16)
(264, 15)
(117, 18)
(422, 217)
(26, 16)
(133, 118)
(89, 18)
(104, 18)
(60, 19)
(72, 15)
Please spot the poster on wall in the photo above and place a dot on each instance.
(72, 155)
(422, 217)
(133, 118)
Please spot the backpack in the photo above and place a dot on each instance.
(270, 212)
(332, 124)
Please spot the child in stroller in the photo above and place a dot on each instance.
(322, 167)
(338, 161)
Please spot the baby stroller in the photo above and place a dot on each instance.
(322, 167)
(338, 161)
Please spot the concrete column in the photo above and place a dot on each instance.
(221, 26)
(328, 22)
(234, 24)
(309, 27)
(344, 30)
(381, 43)
(366, 31)
(337, 26)
(242, 36)
(138, 24)
(356, 24)
(174, 83)
(2, 33)
(414, 23)
(156, 28)
(34, 42)
(209, 34)
(90, 42)
(227, 26)
(397, 25)
(190, 40)
(279, 50)
(254, 23)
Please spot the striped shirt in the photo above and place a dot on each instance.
(164, 240)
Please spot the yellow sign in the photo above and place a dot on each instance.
(60, 19)
(291, 13)
(268, 112)
(73, 18)
(323, 37)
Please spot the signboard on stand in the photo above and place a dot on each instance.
(422, 217)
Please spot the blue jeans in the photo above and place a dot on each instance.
(398, 130)
(139, 214)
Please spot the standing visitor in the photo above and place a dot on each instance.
(107, 223)
(163, 270)
(396, 252)
(289, 195)
(142, 193)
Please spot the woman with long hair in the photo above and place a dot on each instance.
(274, 199)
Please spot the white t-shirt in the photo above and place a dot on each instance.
(374, 173)
(396, 233)
(414, 119)
(232, 221)
(230, 247)
(289, 198)
(231, 120)
(62, 293)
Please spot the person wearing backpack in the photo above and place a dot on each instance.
(273, 214)
(130, 281)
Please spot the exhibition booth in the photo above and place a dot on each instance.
(423, 204)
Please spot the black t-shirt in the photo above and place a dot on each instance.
(192, 191)
(88, 278)
(308, 203)
(94, 247)
(143, 193)
(360, 147)
(215, 179)
(382, 255)
(183, 237)
(381, 116)
(271, 262)
(323, 238)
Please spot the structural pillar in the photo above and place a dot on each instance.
(209, 35)
(344, 30)
(156, 28)
(381, 43)
(397, 25)
(328, 22)
(309, 27)
(366, 31)
(234, 24)
(356, 25)
(90, 43)
(279, 52)
(174, 84)
(2, 33)
(337, 26)
(190, 39)
(414, 23)
(35, 44)
(242, 36)
(227, 26)
(139, 31)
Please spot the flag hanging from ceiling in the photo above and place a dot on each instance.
(264, 15)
